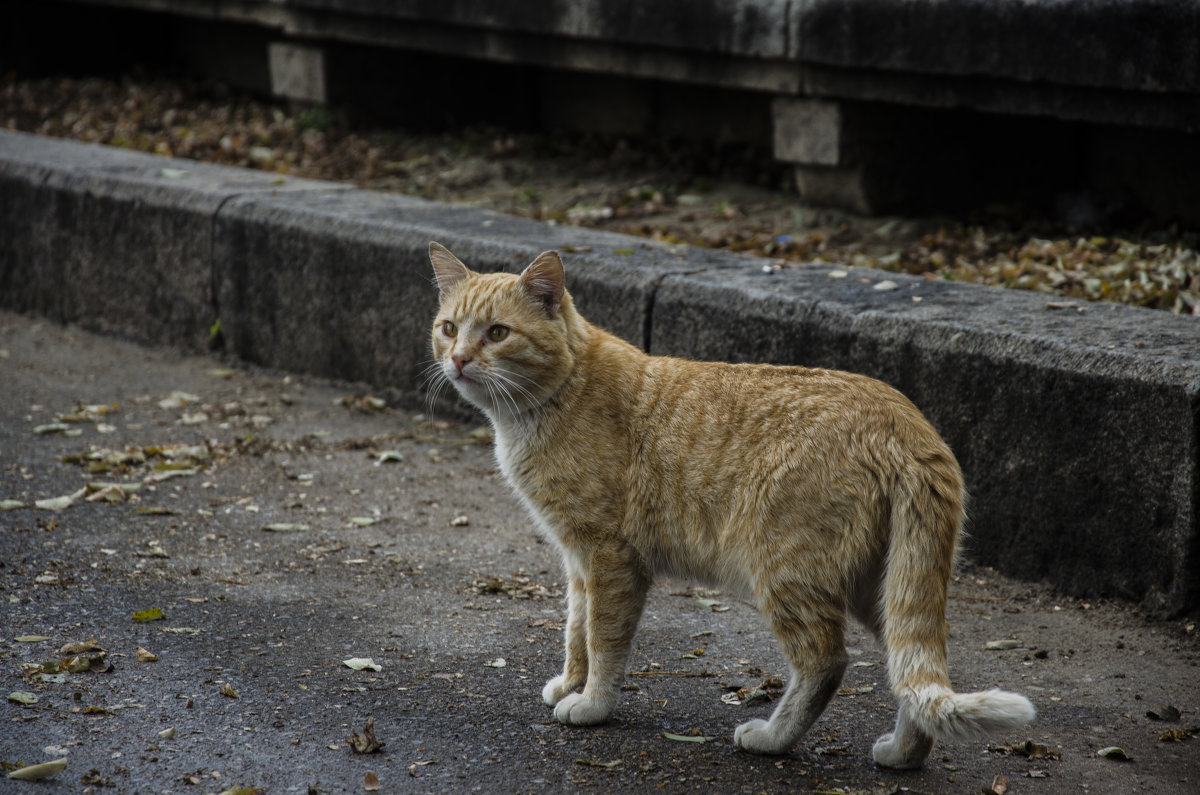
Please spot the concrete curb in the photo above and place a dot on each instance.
(1078, 429)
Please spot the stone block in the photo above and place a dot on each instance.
(809, 131)
(297, 72)
(115, 241)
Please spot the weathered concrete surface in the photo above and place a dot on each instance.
(1078, 427)
(273, 615)
(1134, 45)
(1002, 55)
(114, 240)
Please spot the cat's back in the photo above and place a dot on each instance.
(760, 400)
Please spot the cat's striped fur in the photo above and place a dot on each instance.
(815, 493)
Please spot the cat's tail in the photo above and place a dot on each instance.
(927, 516)
(945, 715)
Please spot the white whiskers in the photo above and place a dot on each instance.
(433, 381)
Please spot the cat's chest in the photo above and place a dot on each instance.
(524, 462)
(515, 455)
(511, 452)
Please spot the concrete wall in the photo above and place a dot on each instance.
(1078, 428)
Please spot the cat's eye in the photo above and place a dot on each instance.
(449, 329)
(497, 333)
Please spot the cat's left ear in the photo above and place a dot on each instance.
(546, 281)
(448, 268)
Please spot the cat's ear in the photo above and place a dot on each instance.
(546, 281)
(448, 268)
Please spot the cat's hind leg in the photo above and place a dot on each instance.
(812, 641)
(906, 747)
(575, 666)
(616, 593)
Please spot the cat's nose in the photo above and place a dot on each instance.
(460, 360)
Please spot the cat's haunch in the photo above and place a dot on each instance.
(816, 493)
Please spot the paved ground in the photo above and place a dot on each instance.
(250, 687)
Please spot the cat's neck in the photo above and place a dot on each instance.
(599, 364)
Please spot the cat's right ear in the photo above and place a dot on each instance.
(546, 281)
(448, 268)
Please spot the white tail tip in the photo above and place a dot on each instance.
(947, 715)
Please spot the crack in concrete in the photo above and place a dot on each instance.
(648, 320)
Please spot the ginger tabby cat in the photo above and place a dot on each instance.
(815, 493)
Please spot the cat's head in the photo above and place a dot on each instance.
(503, 341)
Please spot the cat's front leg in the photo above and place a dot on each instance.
(616, 593)
(575, 666)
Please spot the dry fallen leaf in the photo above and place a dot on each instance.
(155, 510)
(688, 738)
(1028, 749)
(113, 494)
(365, 742)
(60, 503)
(999, 786)
(1115, 753)
(145, 655)
(1002, 645)
(594, 763)
(362, 664)
(367, 404)
(370, 782)
(177, 400)
(227, 690)
(39, 772)
(1167, 713)
(1174, 736)
(286, 527)
(92, 661)
(56, 427)
(389, 457)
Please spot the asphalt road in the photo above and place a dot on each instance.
(392, 538)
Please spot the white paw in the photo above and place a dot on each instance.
(576, 710)
(756, 737)
(555, 690)
(888, 753)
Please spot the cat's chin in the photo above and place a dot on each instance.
(476, 394)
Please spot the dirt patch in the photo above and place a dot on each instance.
(734, 199)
